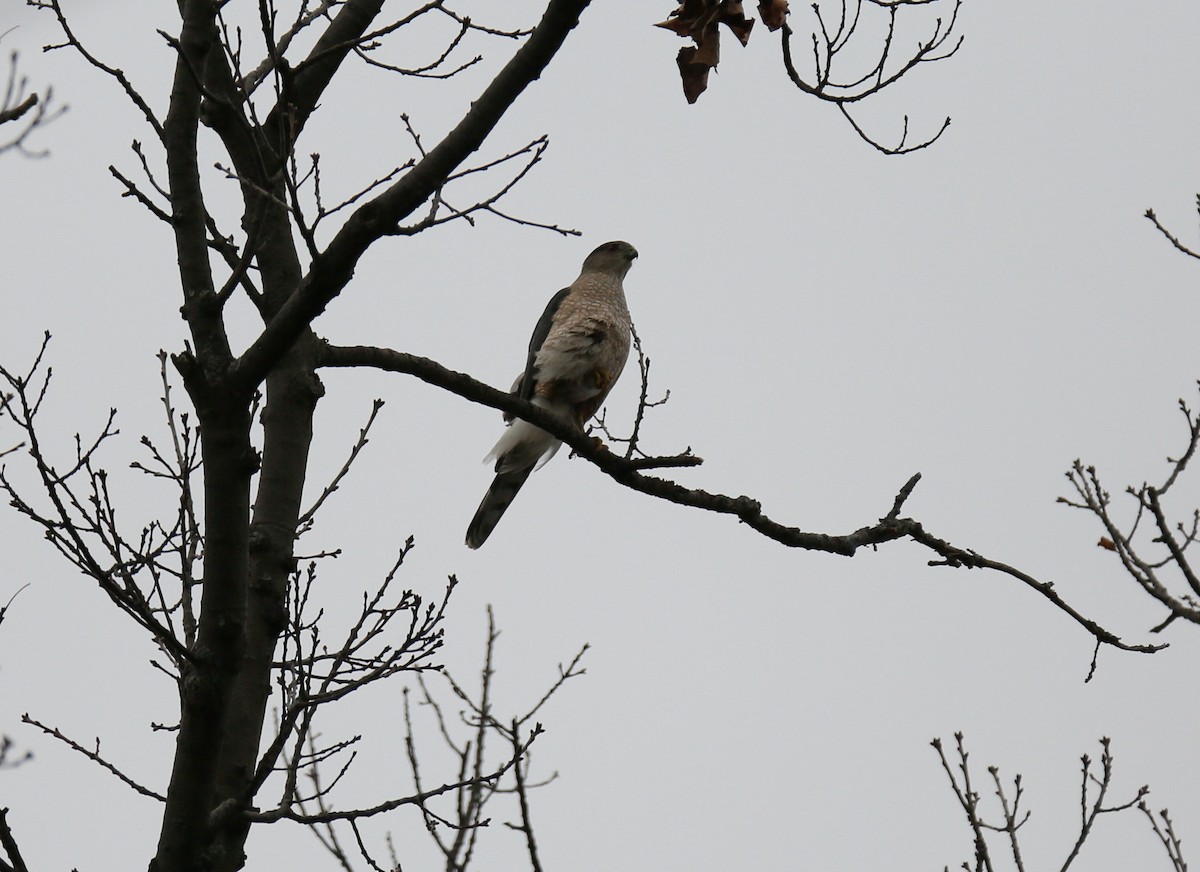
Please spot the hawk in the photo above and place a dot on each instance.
(577, 351)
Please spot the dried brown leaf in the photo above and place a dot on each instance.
(694, 18)
(773, 13)
(708, 50)
(675, 25)
(693, 75)
(700, 21)
(734, 17)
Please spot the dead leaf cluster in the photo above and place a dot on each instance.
(700, 21)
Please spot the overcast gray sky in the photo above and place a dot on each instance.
(828, 321)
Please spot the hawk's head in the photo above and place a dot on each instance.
(614, 258)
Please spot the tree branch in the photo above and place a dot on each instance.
(418, 799)
(749, 511)
(94, 756)
(179, 132)
(1172, 238)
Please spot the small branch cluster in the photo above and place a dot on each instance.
(440, 67)
(833, 41)
(80, 519)
(25, 110)
(1159, 561)
(478, 779)
(1093, 802)
(1164, 829)
(441, 211)
(312, 673)
(9, 759)
(456, 834)
(633, 451)
(151, 575)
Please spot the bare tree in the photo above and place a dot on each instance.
(217, 580)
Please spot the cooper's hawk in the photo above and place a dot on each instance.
(578, 349)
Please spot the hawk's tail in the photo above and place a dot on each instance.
(495, 502)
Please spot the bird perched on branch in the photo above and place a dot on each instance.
(577, 351)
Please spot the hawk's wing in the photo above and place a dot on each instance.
(527, 381)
